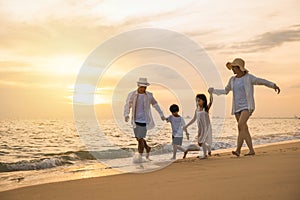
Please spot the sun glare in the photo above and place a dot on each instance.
(65, 65)
(86, 95)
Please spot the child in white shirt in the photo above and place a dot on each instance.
(177, 123)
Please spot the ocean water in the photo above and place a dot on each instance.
(41, 151)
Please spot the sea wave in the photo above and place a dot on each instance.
(32, 164)
(50, 160)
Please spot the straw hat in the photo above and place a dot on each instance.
(237, 62)
(143, 82)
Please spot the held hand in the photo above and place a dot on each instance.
(163, 118)
(187, 136)
(126, 118)
(277, 89)
(184, 129)
(210, 90)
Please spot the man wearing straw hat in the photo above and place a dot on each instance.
(243, 100)
(141, 118)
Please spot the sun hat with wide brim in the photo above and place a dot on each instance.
(238, 62)
(143, 82)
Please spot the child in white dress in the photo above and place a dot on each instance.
(177, 123)
(203, 123)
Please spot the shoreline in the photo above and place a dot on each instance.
(56, 177)
(258, 146)
(220, 161)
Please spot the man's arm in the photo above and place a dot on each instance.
(127, 107)
(157, 108)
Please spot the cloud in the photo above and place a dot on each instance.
(69, 29)
(32, 45)
(54, 36)
(10, 65)
(33, 79)
(269, 40)
(198, 33)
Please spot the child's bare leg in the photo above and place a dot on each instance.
(204, 147)
(181, 148)
(208, 149)
(174, 151)
(184, 155)
(190, 148)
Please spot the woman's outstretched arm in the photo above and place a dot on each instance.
(226, 90)
(260, 81)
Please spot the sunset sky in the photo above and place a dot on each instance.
(44, 44)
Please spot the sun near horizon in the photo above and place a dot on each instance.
(44, 44)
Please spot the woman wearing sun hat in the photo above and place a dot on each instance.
(243, 104)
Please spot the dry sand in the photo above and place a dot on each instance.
(274, 173)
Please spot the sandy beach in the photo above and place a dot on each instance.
(272, 174)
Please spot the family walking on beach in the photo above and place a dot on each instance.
(241, 84)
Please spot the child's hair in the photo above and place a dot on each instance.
(174, 108)
(203, 98)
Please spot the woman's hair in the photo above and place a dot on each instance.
(245, 72)
(174, 108)
(203, 98)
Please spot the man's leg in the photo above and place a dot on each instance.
(181, 148)
(139, 132)
(140, 145)
(148, 149)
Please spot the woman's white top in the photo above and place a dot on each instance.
(249, 81)
(240, 97)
